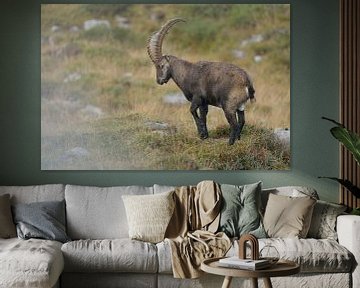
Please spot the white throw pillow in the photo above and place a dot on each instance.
(149, 215)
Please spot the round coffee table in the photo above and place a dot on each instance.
(281, 268)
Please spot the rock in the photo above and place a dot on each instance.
(76, 153)
(157, 126)
(122, 22)
(92, 111)
(238, 54)
(72, 77)
(258, 58)
(253, 39)
(175, 99)
(69, 50)
(90, 24)
(157, 16)
(55, 28)
(74, 29)
(283, 135)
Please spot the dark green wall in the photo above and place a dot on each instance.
(314, 93)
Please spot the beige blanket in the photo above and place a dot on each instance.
(191, 231)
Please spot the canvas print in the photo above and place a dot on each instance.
(165, 87)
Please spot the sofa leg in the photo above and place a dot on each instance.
(254, 282)
(267, 283)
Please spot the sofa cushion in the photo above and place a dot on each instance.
(117, 255)
(287, 216)
(98, 213)
(36, 193)
(240, 212)
(7, 227)
(291, 191)
(323, 222)
(43, 220)
(149, 215)
(313, 255)
(30, 263)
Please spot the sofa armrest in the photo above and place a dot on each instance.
(348, 230)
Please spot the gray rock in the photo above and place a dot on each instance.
(258, 58)
(72, 77)
(157, 126)
(74, 29)
(157, 16)
(253, 39)
(122, 22)
(68, 50)
(55, 28)
(283, 135)
(92, 111)
(175, 99)
(76, 153)
(238, 54)
(90, 24)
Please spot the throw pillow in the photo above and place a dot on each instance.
(44, 220)
(240, 213)
(7, 227)
(288, 217)
(323, 223)
(149, 215)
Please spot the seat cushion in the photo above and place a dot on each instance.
(313, 255)
(30, 263)
(117, 255)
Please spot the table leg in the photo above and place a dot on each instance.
(267, 283)
(227, 282)
(254, 282)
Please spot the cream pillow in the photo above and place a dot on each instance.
(149, 215)
(288, 217)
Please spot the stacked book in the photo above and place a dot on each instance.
(248, 264)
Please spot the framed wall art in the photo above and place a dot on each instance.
(165, 87)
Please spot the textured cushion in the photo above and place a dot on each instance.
(287, 216)
(37, 193)
(98, 213)
(31, 263)
(44, 220)
(117, 255)
(291, 191)
(7, 227)
(323, 222)
(149, 215)
(240, 210)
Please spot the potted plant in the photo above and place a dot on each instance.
(351, 141)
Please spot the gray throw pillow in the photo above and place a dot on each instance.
(44, 220)
(7, 227)
(240, 213)
(323, 222)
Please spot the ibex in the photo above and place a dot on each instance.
(204, 83)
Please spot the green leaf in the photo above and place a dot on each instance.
(348, 185)
(348, 138)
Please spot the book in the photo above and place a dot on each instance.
(248, 264)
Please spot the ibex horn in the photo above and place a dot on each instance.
(155, 41)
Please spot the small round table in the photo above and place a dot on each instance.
(281, 268)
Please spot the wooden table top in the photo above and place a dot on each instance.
(281, 268)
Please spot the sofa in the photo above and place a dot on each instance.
(101, 254)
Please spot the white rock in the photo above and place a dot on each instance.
(175, 99)
(90, 24)
(258, 58)
(55, 28)
(122, 22)
(72, 77)
(238, 54)
(92, 111)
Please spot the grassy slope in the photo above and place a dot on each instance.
(118, 77)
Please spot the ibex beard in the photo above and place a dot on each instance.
(204, 83)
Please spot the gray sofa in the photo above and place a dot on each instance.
(101, 254)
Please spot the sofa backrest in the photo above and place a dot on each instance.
(98, 212)
(36, 193)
